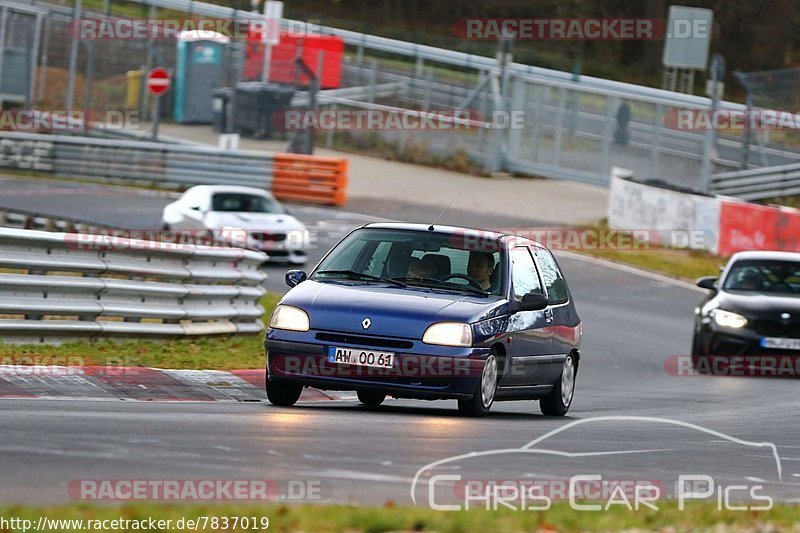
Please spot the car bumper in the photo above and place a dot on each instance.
(717, 340)
(453, 375)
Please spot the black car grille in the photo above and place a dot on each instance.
(268, 237)
(776, 328)
(377, 342)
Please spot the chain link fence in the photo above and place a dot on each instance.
(519, 119)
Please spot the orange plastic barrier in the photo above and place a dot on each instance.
(309, 178)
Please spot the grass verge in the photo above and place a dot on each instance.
(684, 264)
(349, 519)
(214, 353)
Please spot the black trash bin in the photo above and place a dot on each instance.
(259, 108)
(221, 109)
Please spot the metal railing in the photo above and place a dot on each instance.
(148, 163)
(758, 183)
(575, 126)
(57, 286)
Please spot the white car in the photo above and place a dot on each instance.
(240, 216)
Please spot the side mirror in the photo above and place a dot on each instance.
(195, 207)
(708, 282)
(533, 301)
(295, 277)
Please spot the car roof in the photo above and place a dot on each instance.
(483, 233)
(213, 189)
(769, 255)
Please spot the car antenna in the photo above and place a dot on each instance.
(430, 228)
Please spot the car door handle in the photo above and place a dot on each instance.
(548, 314)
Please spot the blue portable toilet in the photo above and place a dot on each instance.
(200, 69)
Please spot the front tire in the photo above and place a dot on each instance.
(370, 398)
(697, 350)
(482, 400)
(558, 401)
(282, 393)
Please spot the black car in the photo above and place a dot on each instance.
(413, 311)
(752, 309)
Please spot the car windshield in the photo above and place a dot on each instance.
(764, 276)
(416, 259)
(244, 203)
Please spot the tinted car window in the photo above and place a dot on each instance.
(553, 280)
(407, 254)
(244, 203)
(523, 273)
(764, 276)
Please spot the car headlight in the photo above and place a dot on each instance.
(448, 334)
(728, 319)
(288, 317)
(297, 237)
(234, 237)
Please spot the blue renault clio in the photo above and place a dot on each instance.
(424, 312)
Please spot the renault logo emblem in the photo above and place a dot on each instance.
(785, 318)
(366, 323)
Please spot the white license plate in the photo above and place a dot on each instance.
(780, 343)
(356, 356)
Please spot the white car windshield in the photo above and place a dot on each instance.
(244, 203)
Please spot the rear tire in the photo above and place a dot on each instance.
(370, 398)
(558, 401)
(282, 393)
(482, 400)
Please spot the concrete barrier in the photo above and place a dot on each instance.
(719, 224)
(670, 217)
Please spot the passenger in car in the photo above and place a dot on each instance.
(419, 268)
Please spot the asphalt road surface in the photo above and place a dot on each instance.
(632, 324)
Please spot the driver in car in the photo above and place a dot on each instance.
(480, 268)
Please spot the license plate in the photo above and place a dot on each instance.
(355, 356)
(780, 343)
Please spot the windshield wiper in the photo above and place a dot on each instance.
(445, 284)
(362, 275)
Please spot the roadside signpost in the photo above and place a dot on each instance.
(157, 83)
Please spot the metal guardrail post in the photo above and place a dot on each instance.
(658, 122)
(559, 127)
(608, 132)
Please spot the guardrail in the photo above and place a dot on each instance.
(758, 183)
(165, 165)
(56, 286)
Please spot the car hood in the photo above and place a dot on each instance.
(392, 311)
(253, 221)
(759, 305)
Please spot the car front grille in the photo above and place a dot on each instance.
(776, 328)
(377, 342)
(267, 237)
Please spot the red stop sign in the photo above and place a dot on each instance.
(158, 81)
